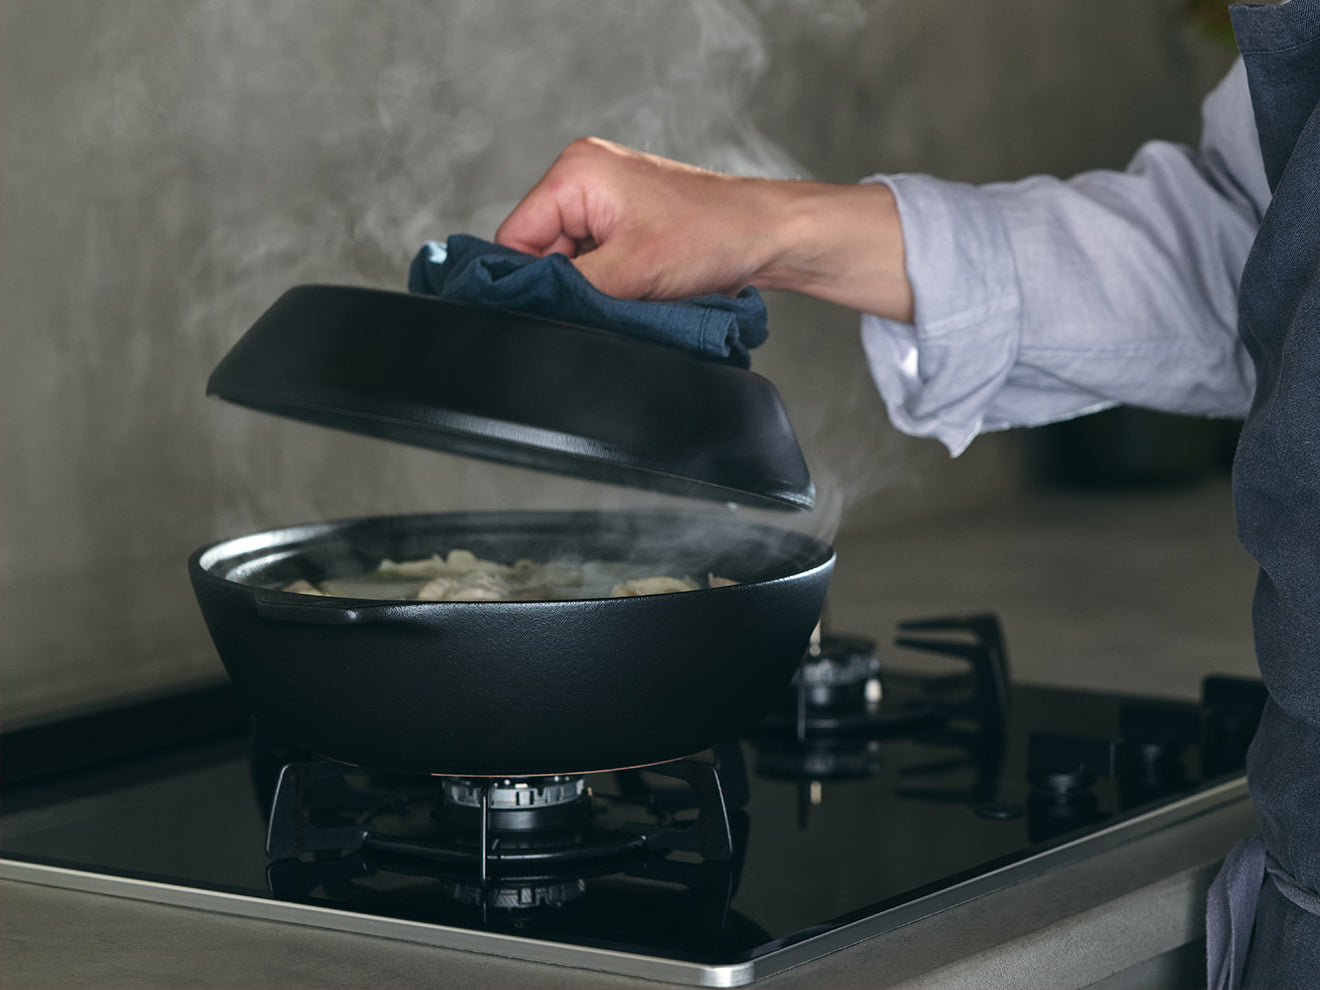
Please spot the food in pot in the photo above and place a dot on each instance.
(652, 586)
(462, 576)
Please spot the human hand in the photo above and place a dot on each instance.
(642, 227)
(638, 226)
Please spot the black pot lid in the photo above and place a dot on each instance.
(519, 390)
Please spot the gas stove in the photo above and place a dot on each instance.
(880, 790)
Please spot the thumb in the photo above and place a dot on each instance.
(610, 269)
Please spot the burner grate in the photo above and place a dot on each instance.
(507, 828)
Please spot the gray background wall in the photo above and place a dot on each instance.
(168, 168)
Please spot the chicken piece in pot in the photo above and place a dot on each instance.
(653, 586)
(476, 586)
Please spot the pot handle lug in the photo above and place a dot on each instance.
(321, 614)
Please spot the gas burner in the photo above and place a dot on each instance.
(841, 687)
(517, 841)
(839, 671)
(845, 705)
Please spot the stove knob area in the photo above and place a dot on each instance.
(1232, 707)
(1062, 766)
(1062, 771)
(1158, 735)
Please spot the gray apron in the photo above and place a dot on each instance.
(1263, 919)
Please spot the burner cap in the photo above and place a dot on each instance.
(514, 794)
(515, 804)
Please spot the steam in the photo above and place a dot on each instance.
(271, 144)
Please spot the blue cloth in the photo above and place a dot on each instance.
(476, 272)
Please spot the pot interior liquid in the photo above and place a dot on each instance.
(463, 576)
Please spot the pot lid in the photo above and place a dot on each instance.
(519, 390)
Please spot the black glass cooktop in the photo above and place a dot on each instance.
(825, 819)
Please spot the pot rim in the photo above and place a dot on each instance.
(205, 562)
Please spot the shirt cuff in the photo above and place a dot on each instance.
(939, 374)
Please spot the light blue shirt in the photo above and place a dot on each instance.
(1044, 299)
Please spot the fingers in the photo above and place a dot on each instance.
(557, 216)
(637, 226)
(536, 227)
(554, 219)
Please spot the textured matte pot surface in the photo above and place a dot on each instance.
(513, 688)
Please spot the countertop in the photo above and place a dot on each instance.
(1126, 590)
(1142, 590)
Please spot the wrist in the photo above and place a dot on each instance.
(840, 243)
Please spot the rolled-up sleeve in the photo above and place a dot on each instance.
(1044, 299)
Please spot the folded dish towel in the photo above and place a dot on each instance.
(470, 270)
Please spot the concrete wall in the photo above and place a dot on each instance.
(169, 168)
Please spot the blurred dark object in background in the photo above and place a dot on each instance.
(1140, 448)
(1129, 448)
(1210, 17)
